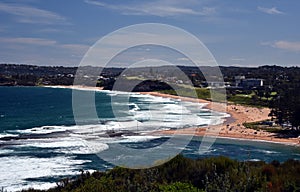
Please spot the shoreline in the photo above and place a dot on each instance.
(78, 87)
(231, 128)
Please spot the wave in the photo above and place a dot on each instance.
(55, 143)
(266, 151)
(134, 107)
(3, 135)
(135, 139)
(86, 147)
(18, 169)
(6, 151)
(255, 160)
(25, 149)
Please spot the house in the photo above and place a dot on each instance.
(238, 80)
(252, 83)
(217, 84)
(242, 82)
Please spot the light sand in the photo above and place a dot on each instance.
(232, 127)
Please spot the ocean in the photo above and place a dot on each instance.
(40, 142)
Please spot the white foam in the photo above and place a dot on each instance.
(6, 151)
(44, 130)
(17, 169)
(81, 88)
(143, 116)
(112, 94)
(137, 95)
(135, 107)
(193, 104)
(154, 99)
(266, 151)
(134, 139)
(2, 135)
(124, 125)
(93, 147)
(88, 147)
(56, 143)
(90, 129)
(175, 109)
(54, 129)
(255, 160)
(161, 113)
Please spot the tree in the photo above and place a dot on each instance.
(286, 105)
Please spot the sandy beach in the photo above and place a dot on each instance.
(233, 126)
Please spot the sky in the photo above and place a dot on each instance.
(237, 33)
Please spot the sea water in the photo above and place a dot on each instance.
(40, 142)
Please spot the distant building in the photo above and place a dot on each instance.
(251, 83)
(217, 84)
(179, 82)
(241, 81)
(238, 80)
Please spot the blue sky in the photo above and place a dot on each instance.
(238, 33)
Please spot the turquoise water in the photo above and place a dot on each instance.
(40, 142)
(27, 107)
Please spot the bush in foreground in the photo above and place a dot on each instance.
(183, 174)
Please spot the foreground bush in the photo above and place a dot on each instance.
(183, 174)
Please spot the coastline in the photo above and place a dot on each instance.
(79, 87)
(231, 128)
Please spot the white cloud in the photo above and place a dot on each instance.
(28, 14)
(286, 45)
(31, 41)
(43, 42)
(160, 8)
(50, 52)
(271, 11)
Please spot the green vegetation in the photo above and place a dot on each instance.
(249, 97)
(187, 92)
(241, 99)
(179, 187)
(264, 127)
(286, 104)
(201, 93)
(183, 174)
(135, 78)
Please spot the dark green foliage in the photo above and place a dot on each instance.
(178, 187)
(286, 104)
(183, 174)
